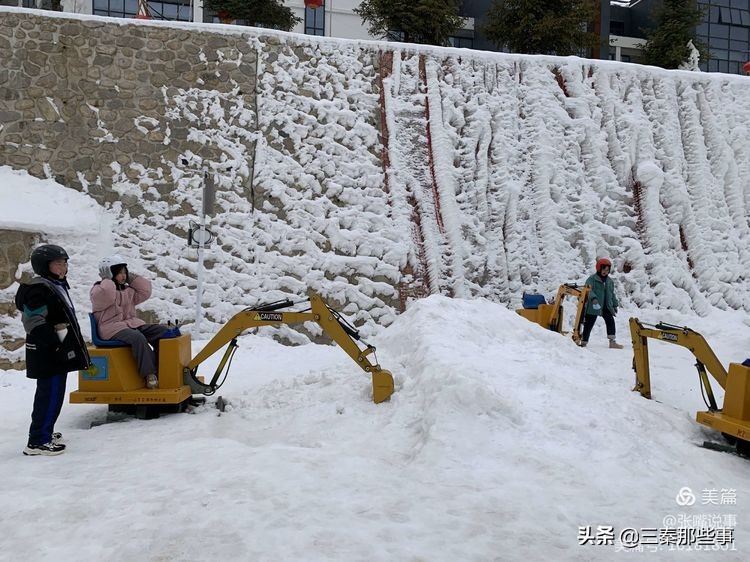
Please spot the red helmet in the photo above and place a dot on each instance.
(601, 262)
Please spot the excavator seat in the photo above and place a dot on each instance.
(99, 342)
(532, 300)
(550, 316)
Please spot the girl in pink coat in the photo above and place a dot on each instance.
(113, 300)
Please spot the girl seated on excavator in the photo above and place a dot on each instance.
(113, 301)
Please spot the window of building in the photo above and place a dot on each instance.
(741, 4)
(738, 33)
(719, 43)
(175, 11)
(617, 27)
(315, 23)
(461, 42)
(733, 16)
(721, 31)
(718, 54)
(167, 10)
(116, 8)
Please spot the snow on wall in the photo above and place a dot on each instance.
(377, 173)
(543, 165)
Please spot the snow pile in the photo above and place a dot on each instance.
(500, 441)
(44, 206)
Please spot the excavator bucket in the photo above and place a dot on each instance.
(382, 385)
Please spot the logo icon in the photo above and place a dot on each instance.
(685, 496)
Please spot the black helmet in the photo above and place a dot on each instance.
(44, 254)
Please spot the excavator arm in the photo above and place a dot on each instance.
(550, 316)
(580, 294)
(733, 419)
(706, 360)
(273, 314)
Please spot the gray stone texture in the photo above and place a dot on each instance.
(78, 87)
(15, 249)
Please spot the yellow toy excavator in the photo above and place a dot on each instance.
(113, 377)
(550, 316)
(733, 420)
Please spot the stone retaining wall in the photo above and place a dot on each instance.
(79, 98)
(15, 249)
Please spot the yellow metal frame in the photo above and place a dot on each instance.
(550, 316)
(113, 376)
(734, 418)
(320, 313)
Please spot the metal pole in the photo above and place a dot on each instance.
(199, 287)
(207, 209)
(199, 276)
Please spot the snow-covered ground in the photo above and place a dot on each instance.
(501, 440)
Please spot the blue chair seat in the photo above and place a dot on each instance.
(532, 300)
(98, 342)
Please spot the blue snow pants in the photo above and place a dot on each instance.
(48, 401)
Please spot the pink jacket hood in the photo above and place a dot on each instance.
(115, 310)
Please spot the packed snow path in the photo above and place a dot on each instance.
(500, 441)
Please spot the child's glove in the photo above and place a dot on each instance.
(596, 306)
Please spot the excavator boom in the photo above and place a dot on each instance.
(679, 335)
(273, 314)
(733, 419)
(550, 316)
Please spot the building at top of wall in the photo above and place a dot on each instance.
(621, 24)
(725, 29)
(335, 18)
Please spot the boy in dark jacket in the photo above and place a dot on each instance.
(602, 301)
(54, 345)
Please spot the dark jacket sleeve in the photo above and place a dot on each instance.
(34, 303)
(41, 308)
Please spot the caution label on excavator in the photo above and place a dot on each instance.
(269, 316)
(668, 336)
